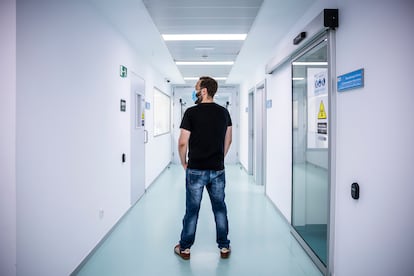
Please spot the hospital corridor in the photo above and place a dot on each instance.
(116, 114)
(257, 233)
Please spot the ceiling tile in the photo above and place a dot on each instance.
(209, 17)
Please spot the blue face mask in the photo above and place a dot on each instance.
(194, 96)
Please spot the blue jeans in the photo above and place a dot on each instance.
(215, 183)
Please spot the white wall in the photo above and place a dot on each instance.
(375, 140)
(375, 134)
(279, 150)
(8, 138)
(70, 132)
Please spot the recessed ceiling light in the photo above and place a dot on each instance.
(204, 62)
(175, 37)
(309, 63)
(204, 48)
(197, 78)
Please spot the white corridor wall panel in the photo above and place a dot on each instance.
(72, 186)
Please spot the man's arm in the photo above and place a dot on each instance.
(182, 146)
(227, 140)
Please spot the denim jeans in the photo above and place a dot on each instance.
(215, 183)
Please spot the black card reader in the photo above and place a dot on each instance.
(355, 190)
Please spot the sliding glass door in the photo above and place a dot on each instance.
(310, 134)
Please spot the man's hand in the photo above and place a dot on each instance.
(182, 146)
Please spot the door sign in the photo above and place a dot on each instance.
(322, 113)
(318, 107)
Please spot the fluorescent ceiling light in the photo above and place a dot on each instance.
(310, 63)
(189, 37)
(204, 48)
(204, 62)
(197, 78)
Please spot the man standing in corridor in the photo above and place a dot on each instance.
(206, 131)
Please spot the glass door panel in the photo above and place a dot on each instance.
(310, 134)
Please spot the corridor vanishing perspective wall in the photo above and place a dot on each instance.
(62, 164)
(71, 184)
(373, 146)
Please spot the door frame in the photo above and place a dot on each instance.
(251, 133)
(262, 132)
(138, 134)
(329, 36)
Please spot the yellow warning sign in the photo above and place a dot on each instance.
(322, 113)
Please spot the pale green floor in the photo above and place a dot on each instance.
(142, 243)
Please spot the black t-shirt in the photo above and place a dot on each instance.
(208, 124)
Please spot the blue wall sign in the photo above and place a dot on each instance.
(351, 80)
(269, 104)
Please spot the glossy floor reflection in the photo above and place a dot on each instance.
(143, 242)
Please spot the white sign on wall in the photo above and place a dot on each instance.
(317, 107)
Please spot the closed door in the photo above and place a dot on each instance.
(138, 138)
(251, 154)
(260, 109)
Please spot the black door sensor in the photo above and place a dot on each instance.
(355, 190)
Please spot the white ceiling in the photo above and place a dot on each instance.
(143, 21)
(203, 17)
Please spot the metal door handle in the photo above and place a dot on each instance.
(145, 136)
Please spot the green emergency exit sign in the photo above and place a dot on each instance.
(123, 71)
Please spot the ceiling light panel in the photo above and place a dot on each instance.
(309, 63)
(203, 37)
(204, 48)
(191, 71)
(204, 62)
(197, 78)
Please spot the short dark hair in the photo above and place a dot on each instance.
(210, 84)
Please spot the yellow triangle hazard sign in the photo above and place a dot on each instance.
(322, 113)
